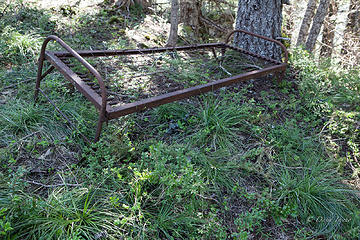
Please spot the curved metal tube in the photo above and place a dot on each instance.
(86, 65)
(286, 54)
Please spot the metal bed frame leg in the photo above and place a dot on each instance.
(99, 128)
(39, 76)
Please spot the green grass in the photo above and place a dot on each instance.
(257, 161)
(332, 95)
(307, 179)
(222, 124)
(80, 213)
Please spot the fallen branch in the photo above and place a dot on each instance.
(211, 23)
(53, 185)
(143, 74)
(121, 95)
(280, 165)
(15, 84)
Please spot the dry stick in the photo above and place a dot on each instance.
(226, 71)
(291, 167)
(69, 168)
(12, 85)
(29, 135)
(121, 95)
(211, 23)
(208, 198)
(53, 185)
(144, 74)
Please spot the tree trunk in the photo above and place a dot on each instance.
(320, 15)
(174, 21)
(288, 22)
(190, 12)
(306, 22)
(127, 3)
(329, 31)
(262, 17)
(353, 23)
(352, 31)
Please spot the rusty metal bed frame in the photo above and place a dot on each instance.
(97, 94)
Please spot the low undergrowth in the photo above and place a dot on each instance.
(257, 160)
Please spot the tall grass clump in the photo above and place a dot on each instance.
(79, 213)
(18, 48)
(306, 177)
(221, 124)
(18, 117)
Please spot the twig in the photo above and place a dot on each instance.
(144, 74)
(12, 85)
(211, 23)
(120, 95)
(323, 128)
(208, 198)
(291, 167)
(251, 65)
(53, 185)
(29, 135)
(226, 71)
(64, 162)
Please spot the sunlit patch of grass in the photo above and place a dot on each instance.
(17, 47)
(19, 117)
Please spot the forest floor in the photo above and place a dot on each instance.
(258, 160)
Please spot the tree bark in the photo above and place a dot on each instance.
(306, 22)
(352, 30)
(127, 3)
(190, 13)
(319, 18)
(329, 31)
(263, 17)
(174, 21)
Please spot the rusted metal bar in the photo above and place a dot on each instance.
(103, 53)
(87, 65)
(188, 92)
(83, 87)
(47, 72)
(286, 54)
(253, 54)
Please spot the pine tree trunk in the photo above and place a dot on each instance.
(329, 31)
(262, 17)
(288, 16)
(352, 31)
(305, 25)
(174, 21)
(319, 18)
(190, 12)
